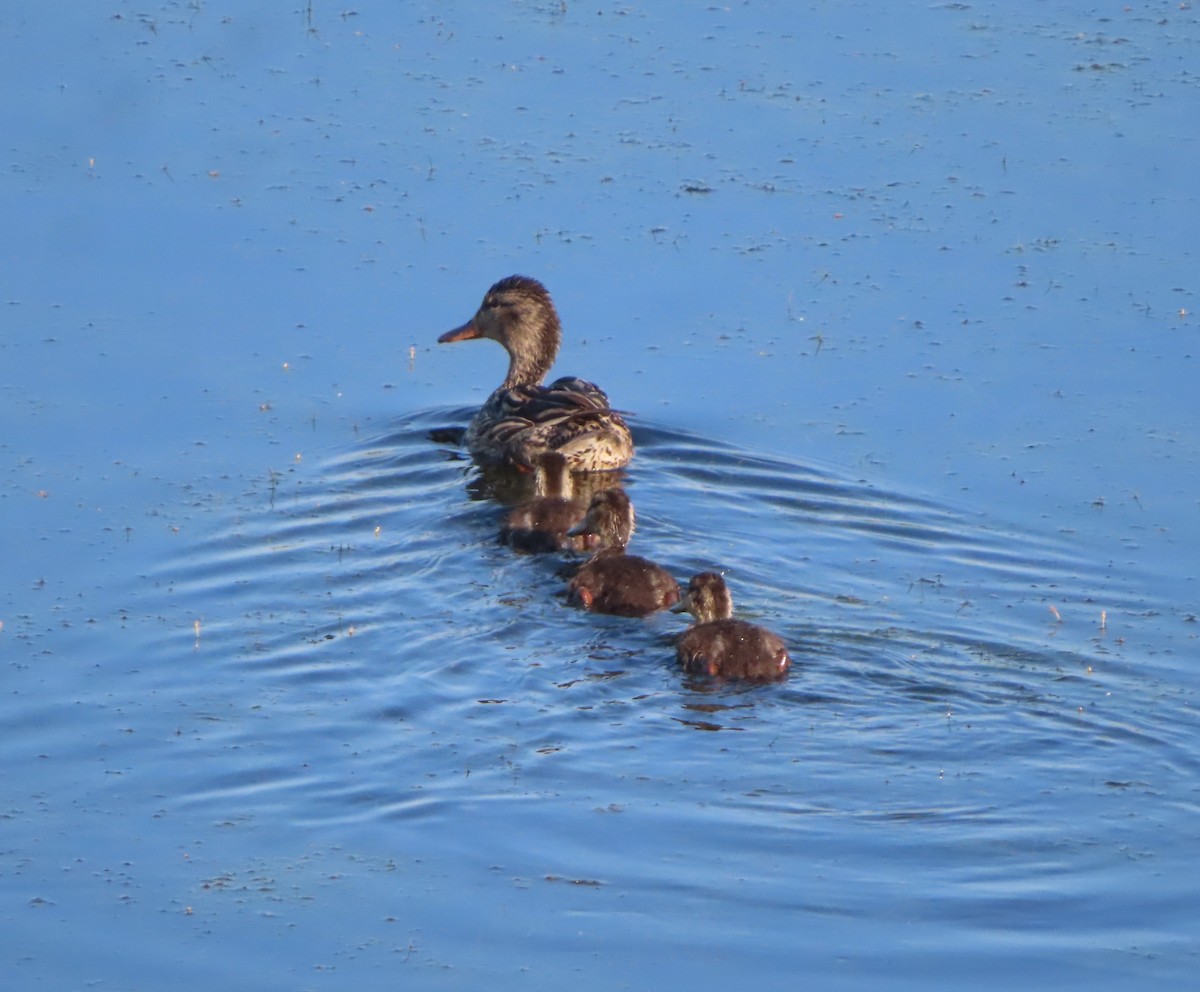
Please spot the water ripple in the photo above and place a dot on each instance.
(369, 609)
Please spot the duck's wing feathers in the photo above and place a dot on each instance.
(579, 389)
(570, 415)
(564, 397)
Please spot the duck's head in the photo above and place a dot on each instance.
(609, 521)
(707, 598)
(519, 313)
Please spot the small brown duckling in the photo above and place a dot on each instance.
(720, 646)
(612, 581)
(540, 524)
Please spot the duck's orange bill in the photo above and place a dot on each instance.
(464, 333)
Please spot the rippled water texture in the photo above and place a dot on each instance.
(900, 304)
(423, 739)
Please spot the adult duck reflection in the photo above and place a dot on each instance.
(541, 522)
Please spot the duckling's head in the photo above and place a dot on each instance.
(609, 522)
(519, 313)
(707, 598)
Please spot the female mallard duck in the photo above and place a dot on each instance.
(523, 418)
(540, 523)
(721, 646)
(612, 581)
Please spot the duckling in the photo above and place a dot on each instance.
(540, 523)
(720, 646)
(523, 418)
(612, 581)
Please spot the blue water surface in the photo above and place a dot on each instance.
(900, 300)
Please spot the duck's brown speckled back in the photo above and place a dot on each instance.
(732, 649)
(625, 585)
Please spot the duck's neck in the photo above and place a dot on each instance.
(615, 534)
(526, 370)
(533, 345)
(715, 605)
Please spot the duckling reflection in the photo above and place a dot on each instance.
(523, 418)
(612, 581)
(540, 523)
(720, 646)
